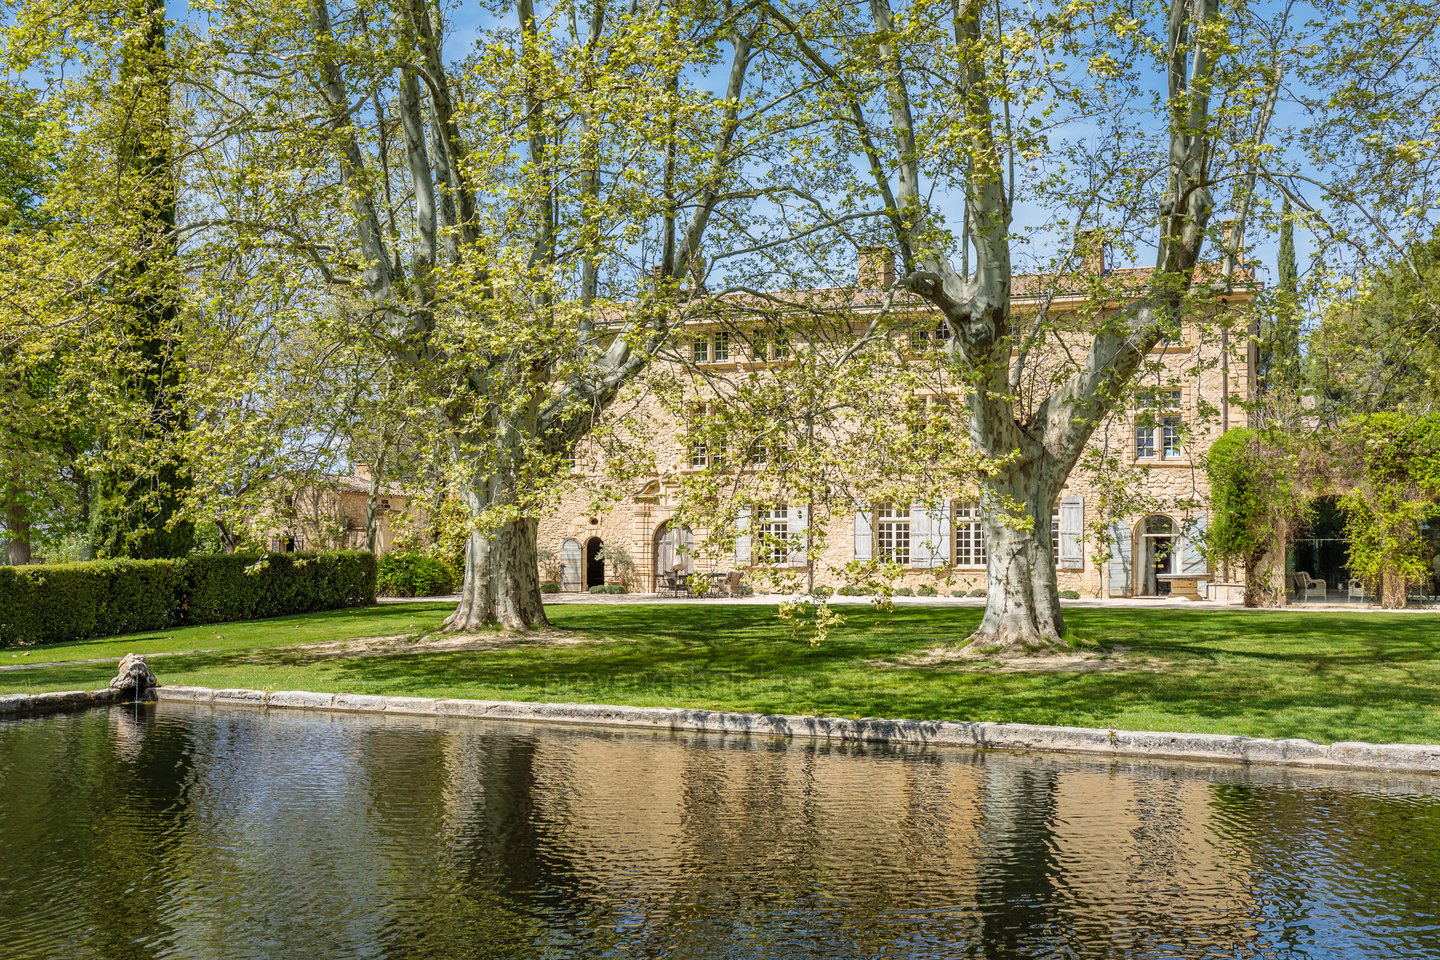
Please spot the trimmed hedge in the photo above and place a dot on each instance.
(415, 575)
(74, 601)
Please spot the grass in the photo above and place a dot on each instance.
(1323, 676)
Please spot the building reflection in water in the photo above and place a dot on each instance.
(321, 835)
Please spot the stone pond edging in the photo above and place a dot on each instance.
(63, 701)
(1020, 737)
(1206, 747)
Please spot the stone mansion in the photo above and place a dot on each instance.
(1160, 438)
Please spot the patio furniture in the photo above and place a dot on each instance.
(1307, 586)
(670, 584)
(1357, 590)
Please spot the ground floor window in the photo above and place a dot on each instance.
(892, 534)
(969, 536)
(774, 529)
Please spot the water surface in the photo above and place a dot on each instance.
(198, 832)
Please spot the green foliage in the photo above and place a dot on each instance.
(47, 604)
(1069, 594)
(549, 586)
(1396, 474)
(904, 592)
(414, 575)
(979, 592)
(615, 588)
(597, 588)
(926, 590)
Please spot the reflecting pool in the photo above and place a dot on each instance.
(198, 832)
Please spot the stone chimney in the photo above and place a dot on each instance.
(877, 268)
(360, 470)
(1094, 252)
(1230, 237)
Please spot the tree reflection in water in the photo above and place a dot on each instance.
(182, 832)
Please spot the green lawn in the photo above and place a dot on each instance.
(1325, 676)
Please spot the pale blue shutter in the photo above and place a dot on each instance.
(929, 535)
(920, 535)
(864, 534)
(1072, 533)
(1192, 540)
(799, 520)
(742, 537)
(1119, 560)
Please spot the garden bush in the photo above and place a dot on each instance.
(598, 588)
(549, 586)
(1069, 594)
(415, 575)
(925, 590)
(904, 592)
(614, 588)
(978, 592)
(73, 601)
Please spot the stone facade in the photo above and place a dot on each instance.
(1149, 547)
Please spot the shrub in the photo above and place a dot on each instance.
(415, 575)
(549, 586)
(1069, 594)
(978, 592)
(47, 604)
(823, 591)
(904, 592)
(925, 590)
(614, 588)
(598, 588)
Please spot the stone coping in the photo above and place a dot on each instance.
(1204, 747)
(982, 735)
(61, 701)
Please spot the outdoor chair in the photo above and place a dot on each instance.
(1357, 590)
(1307, 586)
(669, 584)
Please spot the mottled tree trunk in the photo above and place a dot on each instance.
(17, 529)
(1022, 602)
(1392, 590)
(502, 579)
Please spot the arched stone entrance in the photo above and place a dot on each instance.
(594, 566)
(673, 552)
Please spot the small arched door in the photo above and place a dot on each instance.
(673, 551)
(594, 566)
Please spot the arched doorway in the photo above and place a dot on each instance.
(1157, 553)
(673, 551)
(594, 566)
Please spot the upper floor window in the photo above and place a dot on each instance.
(930, 335)
(892, 534)
(1158, 426)
(721, 343)
(711, 347)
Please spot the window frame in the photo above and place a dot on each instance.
(967, 519)
(891, 523)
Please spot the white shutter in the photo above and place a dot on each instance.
(929, 535)
(742, 537)
(941, 536)
(570, 566)
(864, 533)
(1192, 539)
(920, 535)
(1072, 533)
(799, 520)
(1119, 560)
